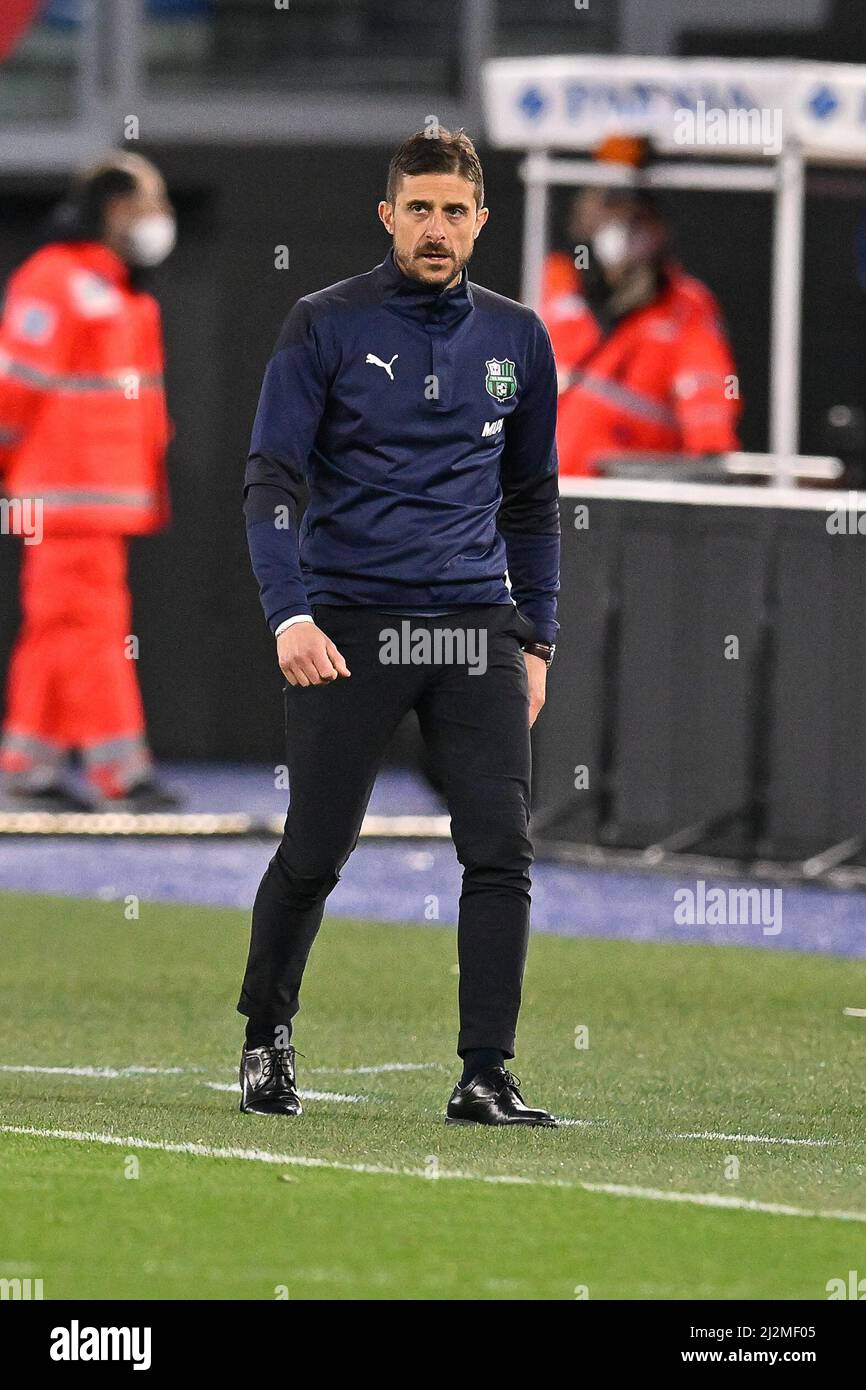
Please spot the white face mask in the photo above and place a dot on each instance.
(611, 243)
(150, 239)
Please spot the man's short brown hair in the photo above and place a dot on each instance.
(437, 151)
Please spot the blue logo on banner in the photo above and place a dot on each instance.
(532, 103)
(823, 103)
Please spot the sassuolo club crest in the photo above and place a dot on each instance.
(501, 379)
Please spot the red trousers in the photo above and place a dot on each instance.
(72, 681)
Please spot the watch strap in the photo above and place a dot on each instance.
(543, 649)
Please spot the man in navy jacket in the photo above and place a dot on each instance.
(419, 411)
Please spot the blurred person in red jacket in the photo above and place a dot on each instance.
(643, 361)
(83, 435)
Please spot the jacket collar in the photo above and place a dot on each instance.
(428, 305)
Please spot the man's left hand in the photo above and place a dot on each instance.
(536, 671)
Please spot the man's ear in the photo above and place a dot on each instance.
(481, 217)
(386, 216)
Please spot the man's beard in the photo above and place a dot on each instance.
(411, 266)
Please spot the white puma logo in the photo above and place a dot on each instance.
(374, 361)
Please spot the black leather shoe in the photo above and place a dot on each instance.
(267, 1080)
(493, 1098)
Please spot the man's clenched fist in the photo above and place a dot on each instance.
(308, 657)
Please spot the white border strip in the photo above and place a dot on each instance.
(652, 1194)
(710, 494)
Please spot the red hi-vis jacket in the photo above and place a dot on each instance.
(659, 382)
(83, 423)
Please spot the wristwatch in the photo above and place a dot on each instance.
(543, 649)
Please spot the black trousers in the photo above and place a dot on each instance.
(476, 729)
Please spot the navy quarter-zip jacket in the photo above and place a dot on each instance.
(422, 422)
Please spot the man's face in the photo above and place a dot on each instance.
(434, 221)
(586, 213)
(620, 231)
(148, 198)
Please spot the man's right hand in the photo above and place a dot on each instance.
(307, 656)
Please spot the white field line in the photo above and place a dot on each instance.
(651, 1194)
(754, 1139)
(116, 1073)
(103, 1073)
(718, 1199)
(371, 1071)
(112, 1073)
(305, 1095)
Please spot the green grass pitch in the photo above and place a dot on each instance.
(683, 1040)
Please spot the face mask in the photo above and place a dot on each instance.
(612, 244)
(150, 239)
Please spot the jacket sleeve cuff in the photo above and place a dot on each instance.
(295, 610)
(287, 622)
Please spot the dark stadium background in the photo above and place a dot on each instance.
(206, 659)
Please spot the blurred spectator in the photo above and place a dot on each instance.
(83, 432)
(644, 364)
